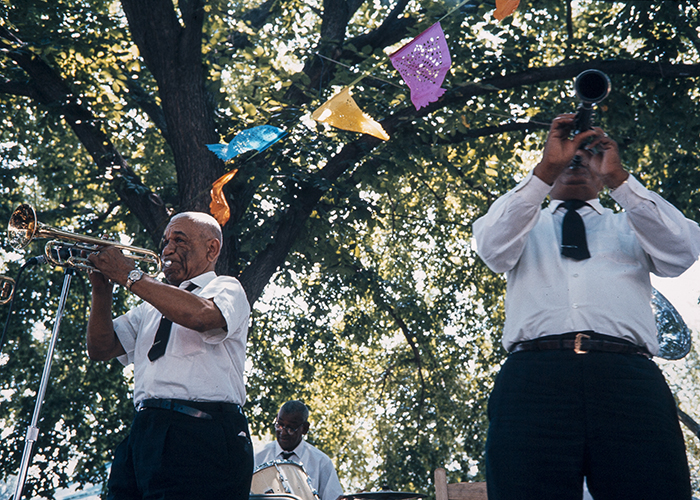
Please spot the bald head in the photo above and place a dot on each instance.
(208, 224)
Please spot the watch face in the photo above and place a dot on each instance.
(134, 275)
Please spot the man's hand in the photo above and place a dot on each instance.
(606, 163)
(559, 150)
(113, 265)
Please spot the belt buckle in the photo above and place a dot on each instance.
(577, 343)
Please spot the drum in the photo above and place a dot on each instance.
(283, 476)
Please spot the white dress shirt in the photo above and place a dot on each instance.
(610, 293)
(317, 465)
(195, 367)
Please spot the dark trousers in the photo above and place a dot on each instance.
(173, 456)
(557, 417)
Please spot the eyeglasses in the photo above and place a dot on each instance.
(286, 429)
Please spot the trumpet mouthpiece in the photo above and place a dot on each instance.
(576, 162)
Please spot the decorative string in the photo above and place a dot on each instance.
(364, 75)
(459, 5)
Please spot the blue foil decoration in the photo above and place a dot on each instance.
(673, 334)
(259, 138)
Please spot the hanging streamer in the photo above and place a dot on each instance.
(218, 207)
(423, 64)
(259, 138)
(342, 112)
(505, 8)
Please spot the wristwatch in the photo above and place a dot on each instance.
(134, 276)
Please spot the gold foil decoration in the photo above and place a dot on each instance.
(342, 112)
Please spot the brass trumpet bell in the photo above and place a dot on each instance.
(591, 87)
(67, 249)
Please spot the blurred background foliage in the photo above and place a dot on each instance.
(377, 313)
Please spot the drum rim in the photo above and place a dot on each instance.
(271, 463)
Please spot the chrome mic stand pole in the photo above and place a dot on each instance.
(33, 430)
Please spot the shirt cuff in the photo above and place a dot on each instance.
(532, 189)
(630, 193)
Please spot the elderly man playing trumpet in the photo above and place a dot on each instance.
(189, 437)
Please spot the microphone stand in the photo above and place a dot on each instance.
(32, 429)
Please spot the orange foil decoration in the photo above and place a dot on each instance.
(219, 207)
(505, 8)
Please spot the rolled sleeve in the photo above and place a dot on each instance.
(126, 327)
(229, 296)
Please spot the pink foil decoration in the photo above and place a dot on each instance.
(423, 64)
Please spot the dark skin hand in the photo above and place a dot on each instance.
(189, 251)
(600, 161)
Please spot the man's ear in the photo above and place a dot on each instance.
(213, 249)
(304, 427)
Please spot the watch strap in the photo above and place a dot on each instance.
(130, 281)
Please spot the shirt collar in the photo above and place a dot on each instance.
(201, 281)
(296, 451)
(594, 204)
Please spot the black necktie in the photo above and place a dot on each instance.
(163, 334)
(573, 232)
(286, 455)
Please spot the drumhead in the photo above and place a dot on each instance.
(282, 477)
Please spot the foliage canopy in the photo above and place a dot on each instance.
(370, 303)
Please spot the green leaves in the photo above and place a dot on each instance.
(381, 316)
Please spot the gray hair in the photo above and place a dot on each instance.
(295, 407)
(208, 223)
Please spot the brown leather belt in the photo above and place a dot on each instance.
(581, 343)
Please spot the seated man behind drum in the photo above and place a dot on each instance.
(290, 427)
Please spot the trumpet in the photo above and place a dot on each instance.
(7, 288)
(68, 249)
(591, 87)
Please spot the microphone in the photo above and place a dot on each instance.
(39, 259)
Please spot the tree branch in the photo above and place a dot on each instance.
(416, 352)
(50, 90)
(255, 18)
(394, 28)
(23, 89)
(336, 15)
(258, 273)
(688, 421)
(459, 137)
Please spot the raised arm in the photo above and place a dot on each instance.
(178, 305)
(102, 343)
(501, 234)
